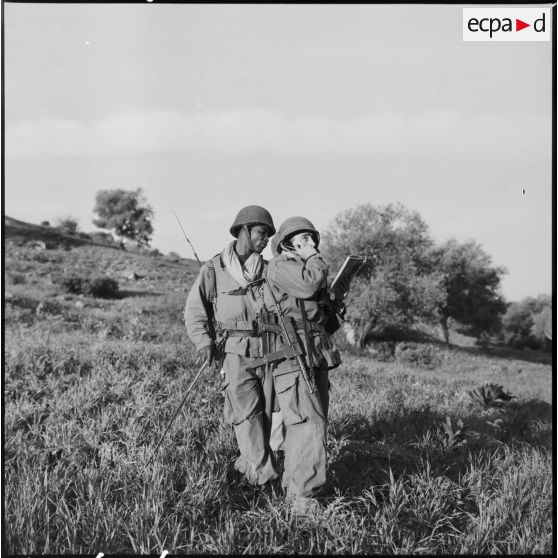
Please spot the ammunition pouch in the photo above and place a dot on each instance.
(270, 331)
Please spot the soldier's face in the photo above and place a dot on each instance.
(303, 240)
(259, 234)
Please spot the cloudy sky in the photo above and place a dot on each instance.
(305, 109)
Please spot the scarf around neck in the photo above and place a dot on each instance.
(242, 273)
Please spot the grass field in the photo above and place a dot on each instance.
(416, 466)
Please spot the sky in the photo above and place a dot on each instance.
(305, 109)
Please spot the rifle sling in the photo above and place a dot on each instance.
(307, 335)
(285, 352)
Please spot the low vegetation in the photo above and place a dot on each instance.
(427, 455)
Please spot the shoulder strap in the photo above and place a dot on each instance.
(212, 279)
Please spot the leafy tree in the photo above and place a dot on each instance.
(126, 212)
(472, 287)
(542, 326)
(525, 322)
(397, 287)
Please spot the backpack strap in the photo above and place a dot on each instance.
(214, 261)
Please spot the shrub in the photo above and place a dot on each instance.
(17, 279)
(68, 225)
(174, 257)
(45, 224)
(72, 284)
(421, 355)
(101, 287)
(102, 237)
(525, 323)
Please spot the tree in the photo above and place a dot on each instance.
(525, 322)
(542, 327)
(396, 287)
(472, 287)
(126, 212)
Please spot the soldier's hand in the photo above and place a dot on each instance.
(343, 287)
(341, 311)
(305, 250)
(206, 354)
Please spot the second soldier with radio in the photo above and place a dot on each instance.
(296, 291)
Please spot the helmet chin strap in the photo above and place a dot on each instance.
(250, 243)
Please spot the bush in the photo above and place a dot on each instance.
(100, 287)
(102, 237)
(68, 225)
(45, 224)
(103, 287)
(72, 284)
(174, 257)
(17, 279)
(421, 355)
(525, 323)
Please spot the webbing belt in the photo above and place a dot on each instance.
(242, 333)
(249, 328)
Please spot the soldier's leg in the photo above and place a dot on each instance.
(245, 411)
(277, 436)
(305, 440)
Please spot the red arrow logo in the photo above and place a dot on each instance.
(519, 25)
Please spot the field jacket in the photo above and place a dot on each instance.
(300, 286)
(231, 304)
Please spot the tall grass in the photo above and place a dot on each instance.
(89, 389)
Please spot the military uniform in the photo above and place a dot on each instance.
(247, 392)
(300, 287)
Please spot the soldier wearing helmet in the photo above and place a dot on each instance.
(298, 277)
(220, 317)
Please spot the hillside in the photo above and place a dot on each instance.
(38, 256)
(417, 465)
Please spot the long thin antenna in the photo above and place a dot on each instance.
(177, 411)
(187, 240)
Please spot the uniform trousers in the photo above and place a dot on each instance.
(248, 406)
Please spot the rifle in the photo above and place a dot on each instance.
(291, 346)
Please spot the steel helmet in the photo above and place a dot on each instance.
(252, 215)
(292, 226)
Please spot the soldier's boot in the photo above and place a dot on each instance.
(305, 508)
